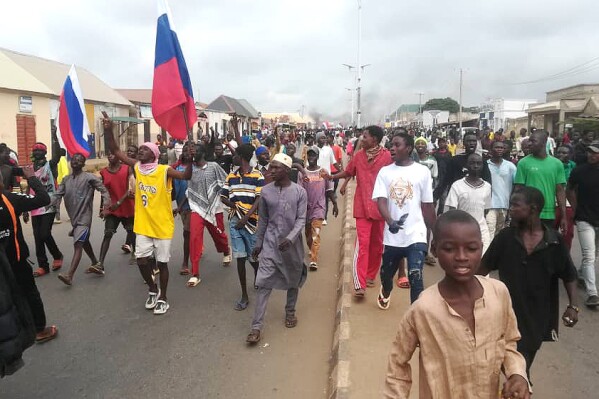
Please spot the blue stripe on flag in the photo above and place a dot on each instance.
(167, 48)
(75, 113)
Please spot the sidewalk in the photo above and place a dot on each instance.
(364, 335)
(365, 332)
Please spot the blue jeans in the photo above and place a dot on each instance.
(392, 257)
(242, 241)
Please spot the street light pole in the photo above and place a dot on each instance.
(359, 71)
(460, 114)
(351, 92)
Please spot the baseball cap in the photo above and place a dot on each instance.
(314, 148)
(594, 146)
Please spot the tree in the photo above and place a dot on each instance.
(442, 104)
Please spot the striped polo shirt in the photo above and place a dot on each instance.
(243, 191)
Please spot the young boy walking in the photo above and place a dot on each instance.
(203, 196)
(77, 190)
(464, 326)
(531, 257)
(279, 244)
(404, 195)
(115, 178)
(319, 190)
(154, 222)
(473, 195)
(241, 193)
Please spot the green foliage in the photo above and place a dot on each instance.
(442, 104)
(585, 124)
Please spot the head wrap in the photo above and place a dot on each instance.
(39, 146)
(261, 150)
(147, 168)
(283, 159)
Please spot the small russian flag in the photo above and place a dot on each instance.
(173, 106)
(73, 130)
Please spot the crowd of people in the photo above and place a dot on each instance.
(472, 204)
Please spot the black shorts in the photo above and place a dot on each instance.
(111, 223)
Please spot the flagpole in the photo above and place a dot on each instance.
(189, 131)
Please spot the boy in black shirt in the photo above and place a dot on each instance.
(530, 258)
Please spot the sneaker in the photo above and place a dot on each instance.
(592, 301)
(161, 307)
(227, 260)
(382, 301)
(324, 223)
(152, 299)
(313, 266)
(126, 248)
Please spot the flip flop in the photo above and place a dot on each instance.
(56, 264)
(403, 282)
(192, 282)
(65, 279)
(290, 321)
(242, 305)
(253, 337)
(52, 333)
(184, 271)
(95, 269)
(39, 272)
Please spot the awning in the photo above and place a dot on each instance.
(128, 119)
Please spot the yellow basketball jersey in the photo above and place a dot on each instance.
(153, 204)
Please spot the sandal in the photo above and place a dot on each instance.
(242, 304)
(40, 272)
(56, 264)
(96, 269)
(192, 282)
(403, 282)
(290, 321)
(227, 260)
(370, 283)
(253, 337)
(184, 271)
(49, 333)
(65, 279)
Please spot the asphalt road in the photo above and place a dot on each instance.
(109, 346)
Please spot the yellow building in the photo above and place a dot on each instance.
(30, 89)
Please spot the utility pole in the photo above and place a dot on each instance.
(420, 102)
(351, 92)
(460, 113)
(359, 67)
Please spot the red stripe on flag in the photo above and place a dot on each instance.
(66, 133)
(168, 97)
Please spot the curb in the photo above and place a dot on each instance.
(340, 357)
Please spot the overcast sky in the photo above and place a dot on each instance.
(282, 54)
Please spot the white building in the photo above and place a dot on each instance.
(496, 113)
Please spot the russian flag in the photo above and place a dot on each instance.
(73, 130)
(172, 97)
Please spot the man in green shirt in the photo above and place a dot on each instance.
(546, 174)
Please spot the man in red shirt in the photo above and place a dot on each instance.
(365, 166)
(338, 153)
(116, 180)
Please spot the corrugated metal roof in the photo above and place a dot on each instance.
(230, 105)
(39, 75)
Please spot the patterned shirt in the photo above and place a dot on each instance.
(243, 190)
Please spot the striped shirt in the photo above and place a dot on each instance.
(243, 191)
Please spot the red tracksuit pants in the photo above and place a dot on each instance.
(369, 250)
(196, 238)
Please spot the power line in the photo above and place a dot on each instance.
(573, 71)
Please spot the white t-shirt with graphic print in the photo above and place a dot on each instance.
(406, 188)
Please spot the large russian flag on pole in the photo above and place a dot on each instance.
(73, 130)
(172, 97)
